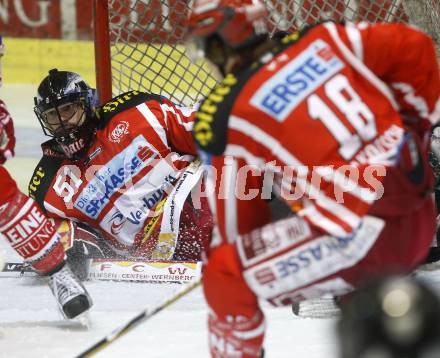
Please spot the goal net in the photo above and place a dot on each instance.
(139, 43)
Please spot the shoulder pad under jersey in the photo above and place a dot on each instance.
(211, 124)
(123, 102)
(43, 175)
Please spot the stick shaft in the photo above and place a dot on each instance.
(136, 320)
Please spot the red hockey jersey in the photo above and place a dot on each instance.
(135, 179)
(323, 117)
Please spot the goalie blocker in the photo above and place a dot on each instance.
(38, 241)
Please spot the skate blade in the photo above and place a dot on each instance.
(83, 319)
(324, 307)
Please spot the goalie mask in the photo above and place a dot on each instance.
(65, 106)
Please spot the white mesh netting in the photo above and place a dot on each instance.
(146, 37)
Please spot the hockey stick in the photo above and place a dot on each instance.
(136, 320)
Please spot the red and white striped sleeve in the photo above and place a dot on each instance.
(168, 128)
(179, 123)
(405, 59)
(334, 211)
(233, 203)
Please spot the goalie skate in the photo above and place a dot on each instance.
(71, 295)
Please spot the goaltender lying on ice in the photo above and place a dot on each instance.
(124, 173)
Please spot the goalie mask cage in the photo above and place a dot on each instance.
(139, 43)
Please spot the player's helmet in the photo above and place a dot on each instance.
(2, 53)
(65, 106)
(238, 23)
(391, 318)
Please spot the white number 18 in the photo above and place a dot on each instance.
(344, 97)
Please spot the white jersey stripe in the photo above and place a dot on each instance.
(315, 217)
(355, 38)
(351, 187)
(153, 122)
(187, 111)
(418, 102)
(210, 183)
(250, 130)
(251, 334)
(228, 180)
(242, 152)
(54, 210)
(183, 158)
(359, 65)
(330, 205)
(241, 125)
(323, 201)
(434, 117)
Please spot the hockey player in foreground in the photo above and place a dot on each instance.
(337, 116)
(126, 170)
(35, 238)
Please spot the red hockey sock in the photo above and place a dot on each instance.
(238, 337)
(236, 323)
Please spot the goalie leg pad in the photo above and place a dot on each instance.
(31, 234)
(236, 323)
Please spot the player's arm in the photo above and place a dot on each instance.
(42, 180)
(179, 124)
(238, 196)
(405, 59)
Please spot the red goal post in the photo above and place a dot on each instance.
(138, 43)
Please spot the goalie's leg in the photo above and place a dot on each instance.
(38, 241)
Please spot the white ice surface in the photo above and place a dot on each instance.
(31, 327)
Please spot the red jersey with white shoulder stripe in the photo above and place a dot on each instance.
(135, 179)
(324, 116)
